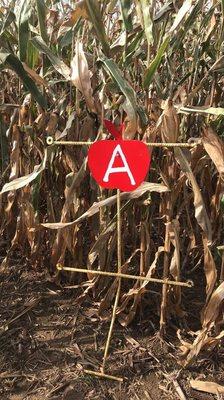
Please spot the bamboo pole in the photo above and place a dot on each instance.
(119, 279)
(102, 375)
(125, 276)
(51, 141)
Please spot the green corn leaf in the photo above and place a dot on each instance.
(222, 26)
(8, 20)
(23, 28)
(185, 8)
(41, 12)
(116, 73)
(3, 146)
(222, 5)
(93, 10)
(124, 86)
(135, 43)
(32, 55)
(66, 38)
(125, 8)
(130, 105)
(156, 62)
(190, 20)
(147, 20)
(57, 63)
(15, 64)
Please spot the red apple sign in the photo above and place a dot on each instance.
(118, 164)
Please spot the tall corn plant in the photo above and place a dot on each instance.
(158, 69)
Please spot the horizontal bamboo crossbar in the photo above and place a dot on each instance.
(51, 141)
(125, 276)
(102, 375)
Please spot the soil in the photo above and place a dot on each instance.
(48, 336)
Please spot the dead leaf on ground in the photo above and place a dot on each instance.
(207, 386)
(210, 316)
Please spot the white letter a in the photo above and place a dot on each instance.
(113, 170)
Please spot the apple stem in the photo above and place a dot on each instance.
(117, 134)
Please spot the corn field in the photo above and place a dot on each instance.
(157, 67)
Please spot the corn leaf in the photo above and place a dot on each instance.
(147, 20)
(93, 10)
(23, 28)
(156, 62)
(80, 76)
(202, 110)
(41, 12)
(57, 63)
(200, 209)
(14, 63)
(18, 183)
(214, 146)
(126, 89)
(8, 20)
(95, 208)
(125, 10)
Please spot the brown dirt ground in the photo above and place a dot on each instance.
(47, 339)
